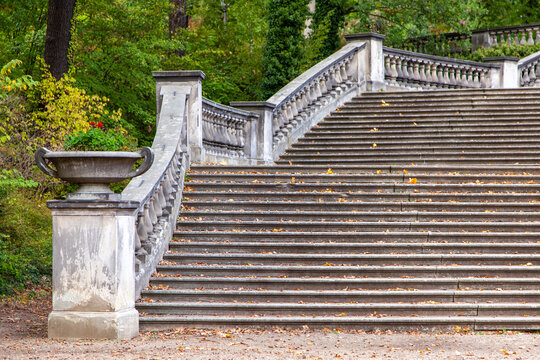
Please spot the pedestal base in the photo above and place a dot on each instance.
(120, 325)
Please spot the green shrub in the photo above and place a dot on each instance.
(25, 241)
(519, 51)
(98, 139)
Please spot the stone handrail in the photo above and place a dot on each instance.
(158, 192)
(226, 131)
(296, 104)
(415, 70)
(529, 70)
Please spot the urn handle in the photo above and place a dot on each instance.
(148, 155)
(42, 164)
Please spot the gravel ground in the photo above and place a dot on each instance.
(23, 331)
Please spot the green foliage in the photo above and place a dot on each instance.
(115, 45)
(519, 51)
(510, 12)
(403, 19)
(97, 139)
(284, 51)
(25, 241)
(22, 32)
(229, 54)
(9, 84)
(328, 20)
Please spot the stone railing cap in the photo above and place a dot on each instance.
(179, 75)
(253, 104)
(93, 204)
(500, 59)
(363, 37)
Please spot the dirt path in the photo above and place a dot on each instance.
(23, 336)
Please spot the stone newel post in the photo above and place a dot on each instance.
(194, 134)
(371, 62)
(94, 270)
(508, 75)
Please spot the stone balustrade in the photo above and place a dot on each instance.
(307, 99)
(457, 43)
(511, 35)
(226, 131)
(441, 44)
(420, 71)
(529, 71)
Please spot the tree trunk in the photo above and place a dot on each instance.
(178, 19)
(58, 36)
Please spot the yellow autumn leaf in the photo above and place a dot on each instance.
(413, 180)
(330, 171)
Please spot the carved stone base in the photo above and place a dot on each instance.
(121, 325)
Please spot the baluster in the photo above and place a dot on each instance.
(537, 73)
(393, 69)
(452, 75)
(476, 78)
(493, 38)
(422, 71)
(416, 73)
(440, 74)
(530, 39)
(516, 37)
(522, 35)
(387, 71)
(525, 77)
(406, 73)
(537, 39)
(399, 64)
(446, 79)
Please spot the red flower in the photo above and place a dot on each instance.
(92, 123)
(99, 125)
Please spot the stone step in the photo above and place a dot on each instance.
(393, 247)
(352, 259)
(377, 311)
(357, 226)
(302, 142)
(451, 93)
(454, 160)
(302, 169)
(349, 205)
(367, 149)
(427, 238)
(488, 196)
(416, 155)
(310, 271)
(437, 103)
(331, 178)
(340, 296)
(396, 323)
(240, 283)
(427, 133)
(361, 216)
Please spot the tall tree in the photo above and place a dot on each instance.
(328, 19)
(58, 36)
(178, 17)
(284, 52)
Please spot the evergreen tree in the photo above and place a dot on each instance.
(284, 52)
(328, 19)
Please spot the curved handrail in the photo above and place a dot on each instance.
(529, 70)
(300, 82)
(157, 191)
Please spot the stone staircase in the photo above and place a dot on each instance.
(404, 211)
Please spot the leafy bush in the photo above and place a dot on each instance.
(25, 234)
(519, 51)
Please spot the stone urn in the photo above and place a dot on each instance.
(94, 171)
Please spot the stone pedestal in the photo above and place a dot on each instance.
(93, 270)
